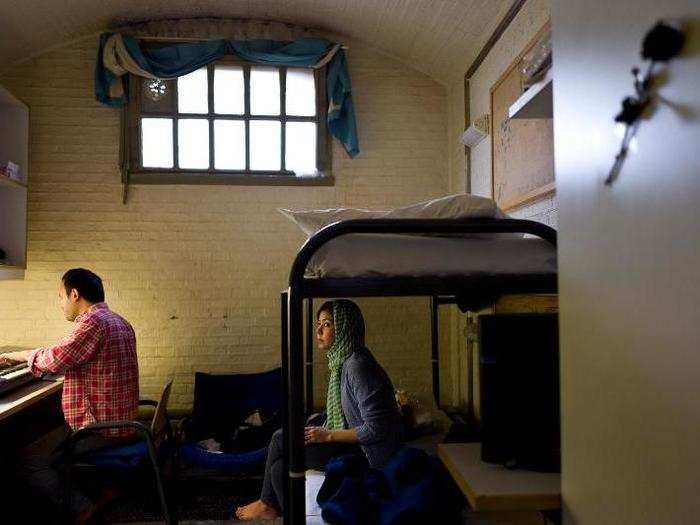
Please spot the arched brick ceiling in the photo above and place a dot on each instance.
(438, 37)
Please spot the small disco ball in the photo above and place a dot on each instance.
(155, 89)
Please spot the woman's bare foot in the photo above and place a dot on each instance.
(258, 510)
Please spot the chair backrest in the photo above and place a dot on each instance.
(222, 402)
(160, 416)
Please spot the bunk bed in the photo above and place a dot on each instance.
(471, 262)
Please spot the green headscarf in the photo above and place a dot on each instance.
(349, 336)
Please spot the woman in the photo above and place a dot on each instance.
(361, 412)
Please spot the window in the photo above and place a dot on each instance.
(229, 122)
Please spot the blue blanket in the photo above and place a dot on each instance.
(412, 488)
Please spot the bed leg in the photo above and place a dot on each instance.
(309, 364)
(284, 350)
(294, 508)
(435, 343)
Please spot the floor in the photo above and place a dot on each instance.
(213, 522)
(205, 501)
(211, 500)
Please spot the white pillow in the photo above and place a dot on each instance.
(310, 221)
(460, 205)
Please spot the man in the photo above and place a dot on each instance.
(98, 360)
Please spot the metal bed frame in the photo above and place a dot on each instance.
(469, 291)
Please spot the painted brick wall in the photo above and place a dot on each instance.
(532, 16)
(457, 166)
(521, 30)
(198, 270)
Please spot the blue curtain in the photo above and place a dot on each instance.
(174, 60)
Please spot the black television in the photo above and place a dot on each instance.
(519, 386)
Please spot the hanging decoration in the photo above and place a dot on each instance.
(662, 42)
(155, 89)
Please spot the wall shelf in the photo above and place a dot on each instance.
(14, 146)
(536, 102)
(6, 181)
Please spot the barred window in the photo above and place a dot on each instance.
(229, 122)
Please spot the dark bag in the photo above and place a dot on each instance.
(248, 437)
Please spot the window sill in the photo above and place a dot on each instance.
(232, 179)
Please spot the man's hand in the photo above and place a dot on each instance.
(10, 358)
(316, 435)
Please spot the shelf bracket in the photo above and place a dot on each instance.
(125, 191)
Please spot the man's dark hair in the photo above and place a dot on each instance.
(87, 284)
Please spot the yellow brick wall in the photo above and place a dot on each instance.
(197, 270)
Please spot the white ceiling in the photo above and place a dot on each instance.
(438, 37)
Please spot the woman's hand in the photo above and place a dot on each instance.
(316, 435)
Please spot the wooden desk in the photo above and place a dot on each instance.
(27, 395)
(493, 487)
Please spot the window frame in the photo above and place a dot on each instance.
(131, 151)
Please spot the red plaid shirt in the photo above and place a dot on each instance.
(99, 362)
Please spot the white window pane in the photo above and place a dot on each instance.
(265, 145)
(193, 143)
(229, 144)
(300, 152)
(229, 90)
(193, 92)
(264, 91)
(157, 142)
(301, 93)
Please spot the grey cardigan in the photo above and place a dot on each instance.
(369, 406)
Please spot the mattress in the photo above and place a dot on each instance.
(381, 256)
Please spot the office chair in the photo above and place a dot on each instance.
(146, 451)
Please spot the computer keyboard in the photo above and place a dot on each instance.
(13, 376)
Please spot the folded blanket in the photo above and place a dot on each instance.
(413, 488)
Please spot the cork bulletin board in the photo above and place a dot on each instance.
(522, 150)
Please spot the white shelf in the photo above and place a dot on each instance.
(14, 146)
(8, 99)
(536, 102)
(6, 181)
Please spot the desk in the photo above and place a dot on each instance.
(493, 487)
(28, 413)
(27, 395)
